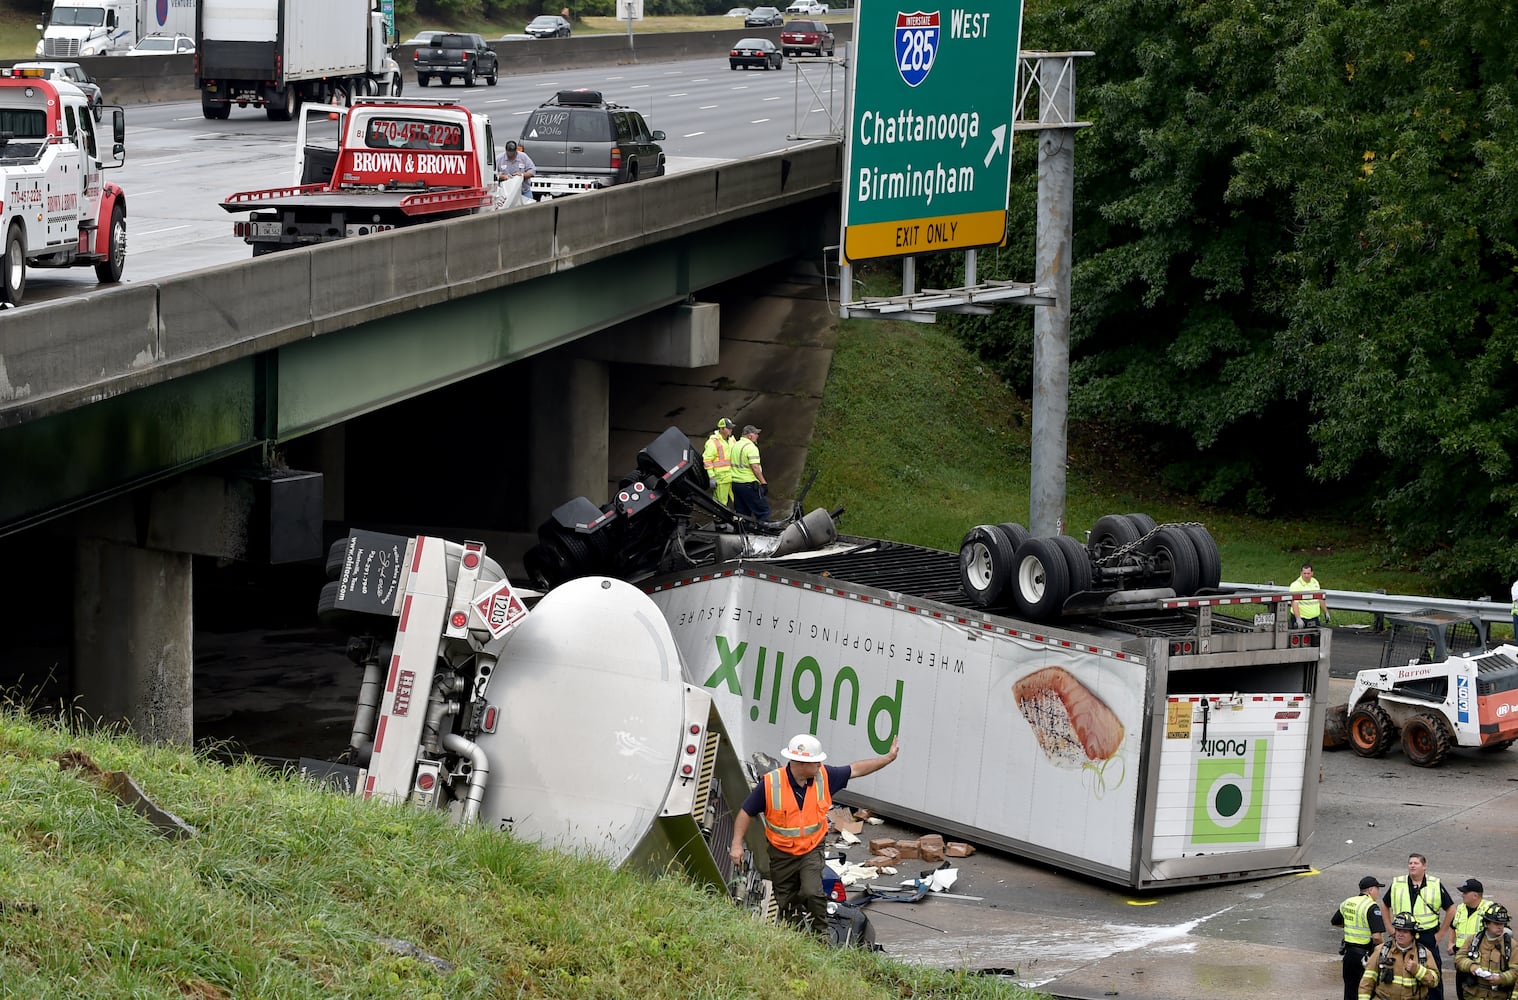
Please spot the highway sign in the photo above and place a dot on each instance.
(929, 150)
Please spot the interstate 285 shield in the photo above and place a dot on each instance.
(916, 45)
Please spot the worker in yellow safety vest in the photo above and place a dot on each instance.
(792, 803)
(1429, 902)
(718, 459)
(1360, 916)
(1467, 922)
(1307, 613)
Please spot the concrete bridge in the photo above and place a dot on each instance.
(213, 413)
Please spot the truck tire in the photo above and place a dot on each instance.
(1015, 534)
(108, 271)
(1426, 740)
(447, 79)
(214, 112)
(469, 77)
(351, 622)
(1143, 522)
(1040, 579)
(335, 558)
(397, 82)
(1111, 533)
(1209, 562)
(1175, 560)
(1077, 563)
(1371, 731)
(422, 79)
(985, 564)
(495, 74)
(14, 265)
(284, 106)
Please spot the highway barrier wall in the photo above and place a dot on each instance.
(153, 79)
(60, 355)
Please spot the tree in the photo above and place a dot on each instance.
(1294, 255)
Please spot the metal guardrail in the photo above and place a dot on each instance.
(1392, 604)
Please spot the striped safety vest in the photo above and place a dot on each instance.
(717, 458)
(1468, 921)
(1402, 901)
(1356, 913)
(795, 829)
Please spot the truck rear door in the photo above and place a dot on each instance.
(1231, 772)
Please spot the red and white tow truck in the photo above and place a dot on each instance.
(56, 209)
(393, 163)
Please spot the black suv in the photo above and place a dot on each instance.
(456, 55)
(580, 133)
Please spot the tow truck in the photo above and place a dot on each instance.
(393, 162)
(55, 206)
(1440, 685)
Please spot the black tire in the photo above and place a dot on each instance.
(1040, 579)
(446, 80)
(1143, 522)
(13, 264)
(286, 109)
(214, 112)
(352, 622)
(397, 84)
(490, 81)
(985, 565)
(1209, 562)
(469, 77)
(780, 63)
(732, 65)
(1111, 533)
(1426, 740)
(335, 556)
(1015, 534)
(1077, 563)
(1371, 731)
(422, 79)
(544, 565)
(1497, 747)
(1175, 560)
(108, 271)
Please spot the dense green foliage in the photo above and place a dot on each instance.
(1295, 258)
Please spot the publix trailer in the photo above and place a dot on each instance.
(1131, 721)
(1156, 741)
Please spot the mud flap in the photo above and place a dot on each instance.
(848, 927)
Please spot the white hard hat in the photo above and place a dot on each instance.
(804, 749)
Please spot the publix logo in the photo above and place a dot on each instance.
(916, 45)
(1229, 793)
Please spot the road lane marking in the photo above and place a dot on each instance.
(707, 107)
(676, 95)
(691, 135)
(772, 98)
(758, 121)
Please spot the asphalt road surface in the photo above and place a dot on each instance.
(180, 166)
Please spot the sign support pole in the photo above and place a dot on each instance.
(1051, 322)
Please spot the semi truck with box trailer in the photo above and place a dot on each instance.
(277, 54)
(78, 28)
(1102, 707)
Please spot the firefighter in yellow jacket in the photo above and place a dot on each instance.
(1401, 969)
(1486, 961)
(792, 803)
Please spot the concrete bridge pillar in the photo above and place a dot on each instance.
(133, 626)
(571, 409)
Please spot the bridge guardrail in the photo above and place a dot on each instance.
(1496, 612)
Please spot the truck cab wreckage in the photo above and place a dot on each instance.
(1130, 732)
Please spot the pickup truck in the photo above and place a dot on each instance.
(456, 55)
